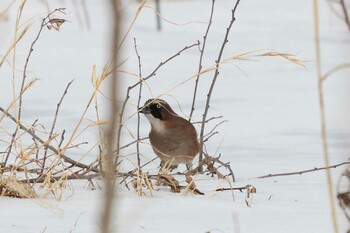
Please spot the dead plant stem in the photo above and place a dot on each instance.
(323, 118)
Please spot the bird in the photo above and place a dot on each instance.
(173, 138)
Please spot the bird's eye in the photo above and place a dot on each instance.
(158, 105)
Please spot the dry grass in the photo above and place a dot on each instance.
(11, 187)
(47, 161)
(30, 158)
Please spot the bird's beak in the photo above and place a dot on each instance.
(145, 110)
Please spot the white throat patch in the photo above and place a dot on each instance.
(156, 123)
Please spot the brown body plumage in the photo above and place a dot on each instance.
(172, 137)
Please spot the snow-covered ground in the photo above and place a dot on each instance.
(271, 106)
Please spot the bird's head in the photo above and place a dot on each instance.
(157, 109)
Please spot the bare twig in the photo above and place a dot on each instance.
(138, 106)
(131, 143)
(209, 135)
(214, 128)
(216, 74)
(207, 120)
(64, 157)
(303, 171)
(153, 73)
(231, 189)
(44, 22)
(9, 149)
(62, 138)
(201, 58)
(249, 188)
(54, 124)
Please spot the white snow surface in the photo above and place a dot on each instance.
(271, 106)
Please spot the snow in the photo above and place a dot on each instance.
(271, 106)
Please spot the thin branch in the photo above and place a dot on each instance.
(153, 73)
(209, 135)
(121, 119)
(216, 74)
(64, 157)
(62, 138)
(133, 142)
(303, 171)
(214, 128)
(44, 22)
(207, 120)
(54, 123)
(138, 106)
(201, 58)
(9, 149)
(232, 189)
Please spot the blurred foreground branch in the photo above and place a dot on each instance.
(109, 160)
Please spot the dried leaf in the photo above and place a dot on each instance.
(55, 23)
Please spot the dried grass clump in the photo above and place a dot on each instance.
(11, 187)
